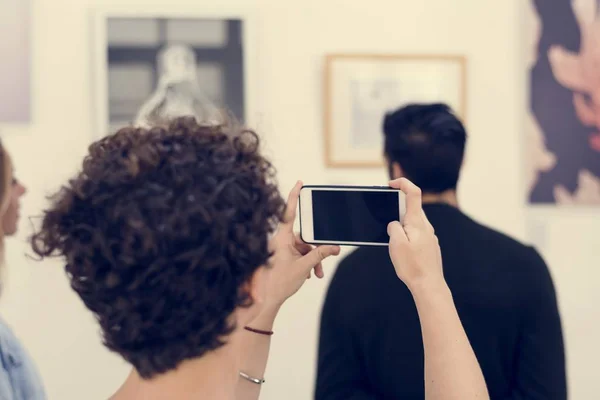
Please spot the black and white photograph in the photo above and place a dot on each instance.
(166, 67)
(15, 68)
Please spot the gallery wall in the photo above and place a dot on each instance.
(289, 41)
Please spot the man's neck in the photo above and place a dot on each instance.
(448, 197)
(212, 376)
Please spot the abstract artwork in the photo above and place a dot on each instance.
(15, 67)
(563, 115)
(360, 89)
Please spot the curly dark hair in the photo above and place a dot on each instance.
(160, 230)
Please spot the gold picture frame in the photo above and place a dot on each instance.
(360, 88)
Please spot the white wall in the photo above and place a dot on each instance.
(291, 38)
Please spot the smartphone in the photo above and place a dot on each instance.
(349, 215)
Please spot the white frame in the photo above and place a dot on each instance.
(306, 212)
(100, 67)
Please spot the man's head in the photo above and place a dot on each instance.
(425, 143)
(164, 232)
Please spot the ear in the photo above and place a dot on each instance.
(257, 286)
(256, 289)
(464, 160)
(396, 171)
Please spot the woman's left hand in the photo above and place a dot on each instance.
(293, 260)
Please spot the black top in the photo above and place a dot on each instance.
(370, 340)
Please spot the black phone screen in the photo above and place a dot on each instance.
(354, 216)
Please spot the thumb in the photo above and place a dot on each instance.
(317, 255)
(396, 233)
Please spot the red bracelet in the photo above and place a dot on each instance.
(266, 333)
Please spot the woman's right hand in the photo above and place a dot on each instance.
(414, 248)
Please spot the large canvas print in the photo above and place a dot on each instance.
(563, 113)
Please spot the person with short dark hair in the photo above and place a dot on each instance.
(371, 343)
(169, 237)
(425, 143)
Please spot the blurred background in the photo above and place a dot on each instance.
(517, 71)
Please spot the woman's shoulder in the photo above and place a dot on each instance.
(10, 347)
(5, 328)
(17, 368)
(7, 335)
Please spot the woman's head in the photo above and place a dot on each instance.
(11, 191)
(162, 232)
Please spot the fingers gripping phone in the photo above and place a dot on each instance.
(349, 215)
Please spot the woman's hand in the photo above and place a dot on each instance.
(451, 368)
(414, 248)
(292, 259)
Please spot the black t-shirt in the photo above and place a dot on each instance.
(370, 339)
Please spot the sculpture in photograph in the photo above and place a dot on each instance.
(178, 91)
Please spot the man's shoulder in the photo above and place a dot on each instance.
(500, 249)
(467, 243)
(499, 242)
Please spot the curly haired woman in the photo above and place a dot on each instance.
(177, 239)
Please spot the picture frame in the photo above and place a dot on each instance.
(16, 41)
(106, 92)
(360, 88)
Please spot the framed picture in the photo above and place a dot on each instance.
(360, 89)
(167, 63)
(15, 68)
